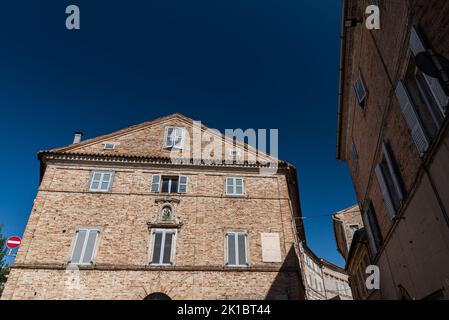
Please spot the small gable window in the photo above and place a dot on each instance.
(109, 146)
(174, 137)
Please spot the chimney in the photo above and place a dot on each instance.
(78, 136)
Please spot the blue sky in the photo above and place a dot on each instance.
(230, 63)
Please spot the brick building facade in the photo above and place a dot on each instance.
(393, 134)
(116, 218)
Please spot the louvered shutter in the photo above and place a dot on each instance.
(417, 46)
(392, 170)
(231, 248)
(155, 182)
(411, 118)
(385, 192)
(90, 246)
(182, 187)
(78, 247)
(241, 249)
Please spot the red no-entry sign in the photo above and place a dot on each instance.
(13, 242)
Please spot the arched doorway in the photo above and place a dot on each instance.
(157, 296)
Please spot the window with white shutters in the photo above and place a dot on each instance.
(234, 187)
(236, 249)
(438, 93)
(360, 90)
(411, 118)
(100, 181)
(84, 247)
(174, 137)
(169, 184)
(163, 243)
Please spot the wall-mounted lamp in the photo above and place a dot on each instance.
(352, 22)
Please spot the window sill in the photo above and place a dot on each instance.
(230, 266)
(235, 195)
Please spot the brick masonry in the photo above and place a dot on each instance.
(121, 267)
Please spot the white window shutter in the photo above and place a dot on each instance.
(168, 142)
(418, 46)
(438, 92)
(385, 192)
(411, 118)
(416, 43)
(182, 186)
(155, 182)
(391, 168)
(179, 137)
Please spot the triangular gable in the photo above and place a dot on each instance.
(146, 139)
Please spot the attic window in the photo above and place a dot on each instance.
(109, 146)
(174, 137)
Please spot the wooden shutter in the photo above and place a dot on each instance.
(385, 192)
(157, 247)
(155, 182)
(410, 115)
(238, 186)
(168, 142)
(168, 244)
(230, 186)
(89, 247)
(78, 247)
(178, 141)
(392, 169)
(182, 186)
(241, 248)
(231, 241)
(417, 46)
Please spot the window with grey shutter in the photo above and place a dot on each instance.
(418, 46)
(389, 181)
(408, 111)
(163, 247)
(372, 226)
(84, 246)
(155, 182)
(385, 191)
(237, 249)
(100, 181)
(360, 90)
(182, 186)
(392, 170)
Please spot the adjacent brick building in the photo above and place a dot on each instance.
(393, 134)
(346, 222)
(116, 218)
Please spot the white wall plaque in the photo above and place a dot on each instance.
(271, 247)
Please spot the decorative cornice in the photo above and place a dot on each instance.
(116, 267)
(45, 156)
